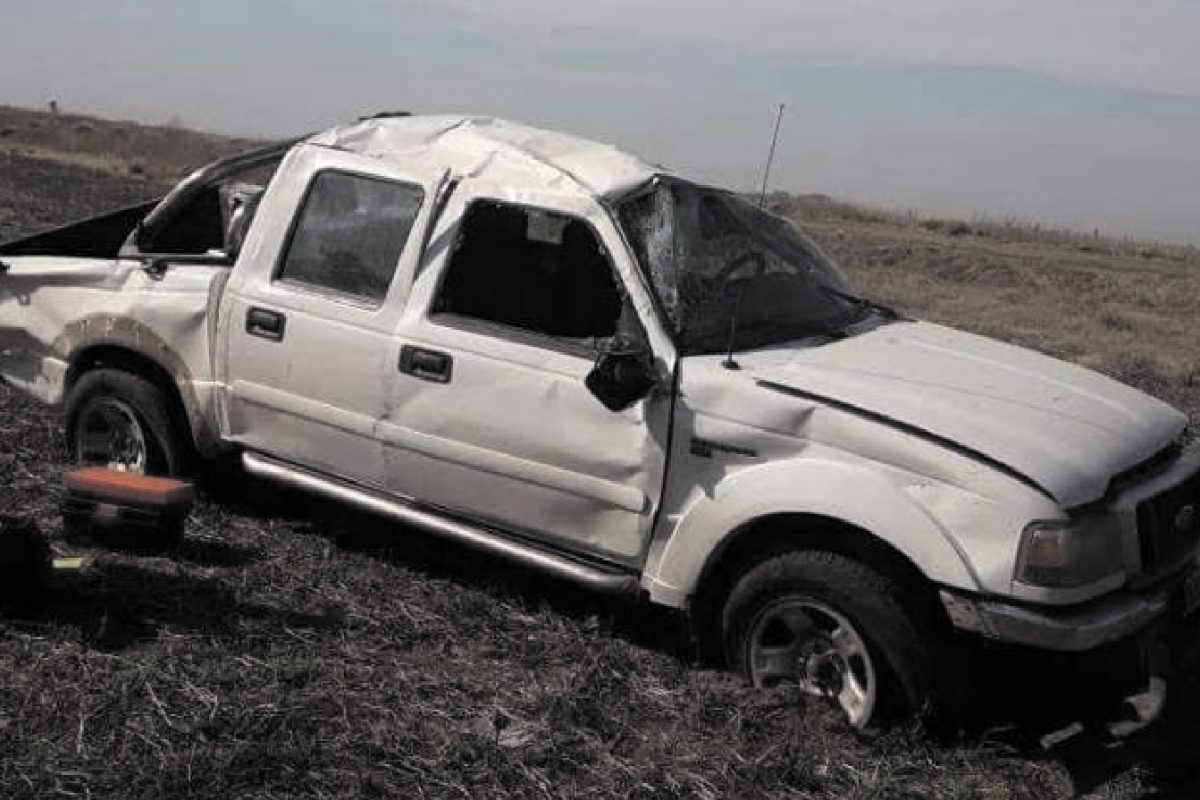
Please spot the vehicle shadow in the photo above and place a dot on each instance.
(114, 606)
(1165, 755)
(416, 550)
(1061, 711)
(651, 627)
(208, 551)
(234, 491)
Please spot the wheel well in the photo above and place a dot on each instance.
(116, 357)
(781, 533)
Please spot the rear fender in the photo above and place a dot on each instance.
(126, 342)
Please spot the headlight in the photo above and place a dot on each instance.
(1064, 554)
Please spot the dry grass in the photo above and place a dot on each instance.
(291, 648)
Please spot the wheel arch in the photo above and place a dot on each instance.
(846, 508)
(775, 534)
(132, 343)
(97, 355)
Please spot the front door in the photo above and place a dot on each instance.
(488, 415)
(308, 318)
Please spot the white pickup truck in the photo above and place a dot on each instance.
(566, 356)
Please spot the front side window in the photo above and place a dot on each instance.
(721, 266)
(350, 233)
(534, 270)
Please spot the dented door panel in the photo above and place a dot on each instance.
(54, 309)
(514, 438)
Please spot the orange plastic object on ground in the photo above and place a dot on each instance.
(126, 510)
(128, 487)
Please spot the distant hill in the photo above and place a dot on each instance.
(152, 152)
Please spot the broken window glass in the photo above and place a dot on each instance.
(534, 270)
(214, 219)
(712, 256)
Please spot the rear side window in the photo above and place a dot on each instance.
(350, 233)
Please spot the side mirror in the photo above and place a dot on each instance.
(624, 374)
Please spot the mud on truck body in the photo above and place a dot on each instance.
(566, 356)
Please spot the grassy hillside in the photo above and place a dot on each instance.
(147, 152)
(1123, 307)
(294, 649)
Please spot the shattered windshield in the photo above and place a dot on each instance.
(711, 255)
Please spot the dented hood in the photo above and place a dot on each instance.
(1066, 428)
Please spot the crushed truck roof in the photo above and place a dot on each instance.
(473, 145)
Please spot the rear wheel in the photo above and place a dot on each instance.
(835, 629)
(122, 421)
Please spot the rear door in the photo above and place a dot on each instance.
(308, 316)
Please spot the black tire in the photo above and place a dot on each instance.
(902, 651)
(167, 451)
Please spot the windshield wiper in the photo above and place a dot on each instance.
(862, 303)
(832, 331)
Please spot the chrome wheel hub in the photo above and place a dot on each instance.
(808, 643)
(109, 434)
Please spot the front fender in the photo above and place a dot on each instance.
(854, 494)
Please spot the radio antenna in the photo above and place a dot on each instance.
(762, 195)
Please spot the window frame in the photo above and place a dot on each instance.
(359, 301)
(167, 207)
(512, 333)
(615, 203)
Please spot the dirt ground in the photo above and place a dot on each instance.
(292, 648)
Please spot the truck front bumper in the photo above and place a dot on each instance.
(1074, 629)
(1139, 642)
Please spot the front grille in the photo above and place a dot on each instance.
(1167, 530)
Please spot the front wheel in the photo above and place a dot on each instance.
(835, 629)
(122, 421)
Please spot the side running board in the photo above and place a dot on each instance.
(596, 577)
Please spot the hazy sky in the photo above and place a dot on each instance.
(1078, 112)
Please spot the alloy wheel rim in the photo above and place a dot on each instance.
(109, 434)
(809, 644)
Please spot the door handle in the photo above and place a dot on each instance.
(265, 324)
(428, 365)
